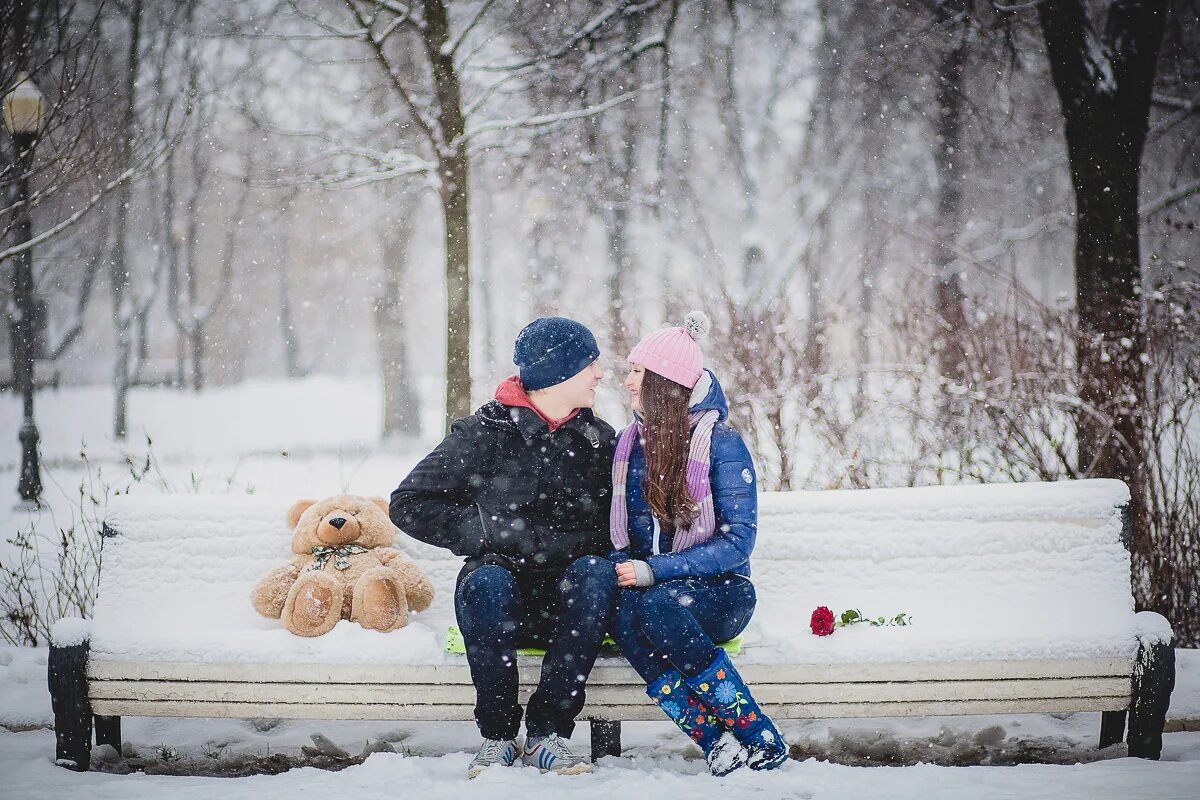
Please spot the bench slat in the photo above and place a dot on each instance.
(409, 694)
(611, 673)
(642, 711)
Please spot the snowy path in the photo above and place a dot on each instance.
(432, 758)
(657, 760)
(29, 775)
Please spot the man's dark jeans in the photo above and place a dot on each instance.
(675, 623)
(567, 613)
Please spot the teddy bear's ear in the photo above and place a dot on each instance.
(383, 504)
(298, 508)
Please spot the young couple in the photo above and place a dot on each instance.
(571, 531)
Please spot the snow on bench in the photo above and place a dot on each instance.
(1019, 596)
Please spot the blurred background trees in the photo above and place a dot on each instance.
(939, 240)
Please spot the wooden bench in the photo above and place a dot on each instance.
(1019, 597)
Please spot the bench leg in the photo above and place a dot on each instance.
(67, 676)
(606, 738)
(108, 731)
(1153, 681)
(1112, 727)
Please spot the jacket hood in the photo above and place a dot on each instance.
(510, 396)
(708, 395)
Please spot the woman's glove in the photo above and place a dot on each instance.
(645, 575)
(634, 574)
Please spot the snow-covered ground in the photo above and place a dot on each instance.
(319, 437)
(430, 758)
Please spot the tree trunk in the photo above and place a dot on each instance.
(949, 297)
(619, 219)
(400, 406)
(814, 331)
(544, 278)
(873, 238)
(123, 305)
(485, 255)
(617, 230)
(1104, 83)
(202, 316)
(291, 341)
(170, 252)
(454, 174)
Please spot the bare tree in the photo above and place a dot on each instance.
(437, 116)
(401, 412)
(1104, 73)
(124, 307)
(955, 28)
(71, 171)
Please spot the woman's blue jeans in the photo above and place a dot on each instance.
(565, 612)
(675, 624)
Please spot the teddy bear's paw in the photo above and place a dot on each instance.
(379, 601)
(314, 605)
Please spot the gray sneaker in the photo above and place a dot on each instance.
(494, 751)
(550, 753)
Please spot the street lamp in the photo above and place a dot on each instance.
(23, 111)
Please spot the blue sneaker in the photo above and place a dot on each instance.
(493, 751)
(551, 754)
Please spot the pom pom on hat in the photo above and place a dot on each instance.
(697, 325)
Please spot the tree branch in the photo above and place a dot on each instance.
(393, 74)
(453, 45)
(544, 120)
(1169, 199)
(66, 223)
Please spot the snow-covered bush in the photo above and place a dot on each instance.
(1010, 414)
(53, 562)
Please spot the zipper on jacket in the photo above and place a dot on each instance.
(657, 531)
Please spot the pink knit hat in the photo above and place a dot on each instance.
(674, 353)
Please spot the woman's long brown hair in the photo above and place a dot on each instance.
(666, 438)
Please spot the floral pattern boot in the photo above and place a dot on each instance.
(722, 688)
(722, 751)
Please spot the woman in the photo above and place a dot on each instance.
(683, 520)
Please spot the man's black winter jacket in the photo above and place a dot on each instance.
(501, 484)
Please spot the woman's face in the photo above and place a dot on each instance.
(633, 382)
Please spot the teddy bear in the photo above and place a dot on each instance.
(344, 568)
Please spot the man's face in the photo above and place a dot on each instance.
(578, 391)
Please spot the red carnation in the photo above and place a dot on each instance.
(822, 621)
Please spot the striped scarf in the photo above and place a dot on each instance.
(698, 485)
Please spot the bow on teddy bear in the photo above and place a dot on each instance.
(344, 568)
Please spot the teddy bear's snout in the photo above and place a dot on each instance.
(338, 529)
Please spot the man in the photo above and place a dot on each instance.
(522, 488)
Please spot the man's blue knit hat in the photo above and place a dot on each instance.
(551, 349)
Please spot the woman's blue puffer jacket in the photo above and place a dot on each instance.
(735, 505)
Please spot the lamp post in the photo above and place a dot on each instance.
(23, 110)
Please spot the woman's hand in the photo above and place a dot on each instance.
(634, 573)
